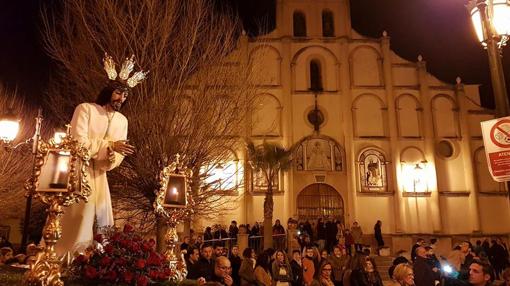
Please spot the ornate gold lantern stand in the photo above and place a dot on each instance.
(174, 202)
(59, 180)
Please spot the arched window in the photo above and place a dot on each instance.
(299, 24)
(315, 75)
(328, 24)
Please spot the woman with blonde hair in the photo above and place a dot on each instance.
(281, 270)
(403, 275)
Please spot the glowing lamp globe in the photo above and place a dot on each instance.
(497, 16)
(9, 127)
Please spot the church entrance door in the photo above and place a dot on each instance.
(320, 201)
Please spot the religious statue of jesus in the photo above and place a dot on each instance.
(103, 130)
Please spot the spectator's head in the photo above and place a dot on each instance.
(309, 252)
(218, 250)
(186, 239)
(263, 261)
(420, 241)
(337, 252)
(479, 273)
(355, 224)
(31, 249)
(506, 276)
(208, 229)
(369, 264)
(233, 223)
(324, 254)
(296, 255)
(280, 256)
(399, 260)
(403, 274)
(194, 254)
(421, 252)
(465, 246)
(277, 222)
(248, 253)
(433, 241)
(199, 239)
(207, 251)
(478, 242)
(270, 252)
(222, 267)
(235, 250)
(325, 270)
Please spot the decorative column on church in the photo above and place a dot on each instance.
(467, 152)
(392, 122)
(350, 156)
(242, 238)
(429, 145)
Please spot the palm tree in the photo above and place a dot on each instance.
(269, 159)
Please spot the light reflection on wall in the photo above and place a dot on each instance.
(225, 176)
(415, 177)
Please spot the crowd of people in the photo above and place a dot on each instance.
(8, 256)
(322, 260)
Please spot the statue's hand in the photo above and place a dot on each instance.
(123, 147)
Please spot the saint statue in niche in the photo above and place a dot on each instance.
(372, 169)
(319, 158)
(373, 174)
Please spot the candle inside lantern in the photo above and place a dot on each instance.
(61, 173)
(176, 188)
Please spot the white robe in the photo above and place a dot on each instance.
(90, 127)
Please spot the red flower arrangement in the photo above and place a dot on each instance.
(125, 259)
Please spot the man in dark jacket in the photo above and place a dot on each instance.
(206, 263)
(192, 263)
(424, 275)
(297, 269)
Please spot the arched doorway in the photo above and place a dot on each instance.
(320, 200)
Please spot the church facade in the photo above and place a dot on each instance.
(374, 136)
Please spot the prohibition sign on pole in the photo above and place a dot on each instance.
(500, 133)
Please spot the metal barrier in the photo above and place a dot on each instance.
(257, 242)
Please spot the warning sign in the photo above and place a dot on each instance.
(496, 139)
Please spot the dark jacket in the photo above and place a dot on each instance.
(193, 270)
(206, 268)
(423, 274)
(297, 273)
(246, 272)
(235, 261)
(361, 278)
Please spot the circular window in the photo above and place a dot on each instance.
(445, 149)
(316, 118)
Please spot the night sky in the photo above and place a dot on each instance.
(439, 30)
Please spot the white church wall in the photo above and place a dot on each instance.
(455, 216)
(267, 116)
(369, 116)
(445, 116)
(409, 116)
(404, 75)
(418, 213)
(369, 209)
(494, 214)
(265, 61)
(365, 66)
(448, 168)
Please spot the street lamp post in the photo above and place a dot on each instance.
(491, 20)
(9, 127)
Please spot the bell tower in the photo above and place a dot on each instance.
(313, 18)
